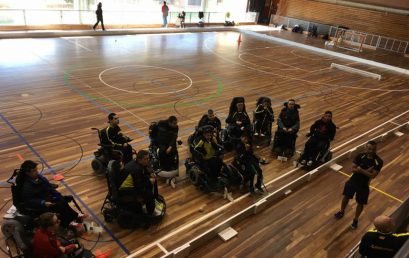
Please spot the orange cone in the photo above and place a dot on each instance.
(239, 40)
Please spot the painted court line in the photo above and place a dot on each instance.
(225, 206)
(72, 192)
(77, 44)
(376, 189)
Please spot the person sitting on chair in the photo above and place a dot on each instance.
(46, 244)
(39, 195)
(238, 120)
(112, 135)
(167, 137)
(322, 132)
(211, 119)
(246, 157)
(208, 153)
(381, 241)
(263, 118)
(139, 182)
(288, 125)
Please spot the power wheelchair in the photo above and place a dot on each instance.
(19, 224)
(227, 176)
(128, 215)
(323, 155)
(230, 136)
(283, 142)
(262, 126)
(104, 154)
(169, 175)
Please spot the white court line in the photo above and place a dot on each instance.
(294, 78)
(394, 123)
(178, 230)
(146, 93)
(116, 103)
(77, 44)
(162, 248)
(291, 66)
(323, 51)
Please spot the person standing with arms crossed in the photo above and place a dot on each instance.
(99, 16)
(365, 168)
(165, 12)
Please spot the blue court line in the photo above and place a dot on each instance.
(22, 139)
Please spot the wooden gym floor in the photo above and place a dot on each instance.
(54, 90)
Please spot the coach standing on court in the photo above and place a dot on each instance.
(366, 167)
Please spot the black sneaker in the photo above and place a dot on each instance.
(354, 224)
(339, 215)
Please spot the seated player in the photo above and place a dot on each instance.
(167, 137)
(40, 196)
(112, 135)
(139, 183)
(238, 121)
(322, 132)
(246, 157)
(263, 117)
(288, 124)
(208, 153)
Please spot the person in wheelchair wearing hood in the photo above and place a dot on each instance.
(237, 123)
(250, 162)
(112, 136)
(288, 124)
(208, 153)
(40, 196)
(139, 183)
(322, 132)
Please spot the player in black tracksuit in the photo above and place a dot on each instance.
(112, 136)
(166, 139)
(322, 132)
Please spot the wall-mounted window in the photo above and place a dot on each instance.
(195, 2)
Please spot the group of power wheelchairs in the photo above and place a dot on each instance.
(260, 131)
(108, 161)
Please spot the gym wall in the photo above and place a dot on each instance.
(375, 22)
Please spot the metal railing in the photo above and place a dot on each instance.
(26, 17)
(377, 41)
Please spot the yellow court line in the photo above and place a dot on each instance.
(376, 189)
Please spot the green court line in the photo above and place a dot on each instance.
(67, 75)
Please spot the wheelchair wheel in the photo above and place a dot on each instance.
(194, 175)
(8, 227)
(98, 166)
(127, 220)
(109, 215)
(328, 157)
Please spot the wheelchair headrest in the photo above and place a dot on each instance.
(261, 100)
(233, 107)
(206, 129)
(113, 172)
